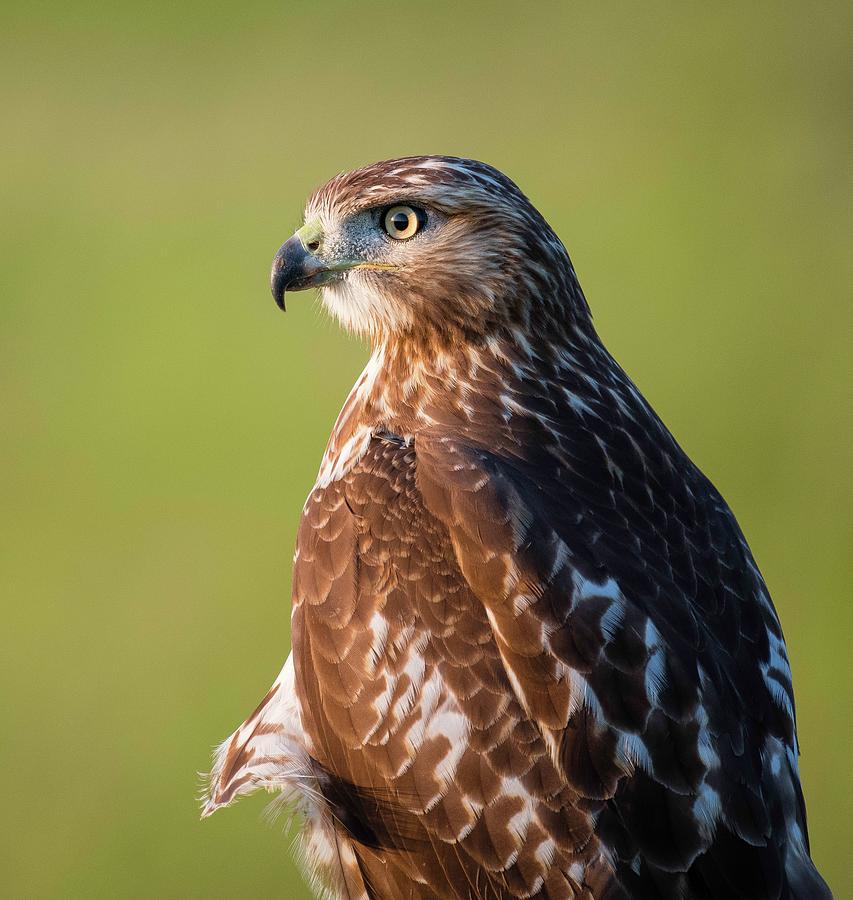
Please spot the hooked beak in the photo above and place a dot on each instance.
(295, 269)
(297, 266)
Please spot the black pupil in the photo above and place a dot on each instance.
(400, 221)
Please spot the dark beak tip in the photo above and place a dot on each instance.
(288, 267)
(277, 289)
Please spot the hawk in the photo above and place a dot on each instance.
(532, 653)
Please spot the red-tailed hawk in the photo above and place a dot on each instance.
(532, 653)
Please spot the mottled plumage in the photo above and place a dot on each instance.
(532, 653)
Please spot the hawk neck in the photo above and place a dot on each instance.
(468, 390)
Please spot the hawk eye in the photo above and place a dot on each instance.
(402, 222)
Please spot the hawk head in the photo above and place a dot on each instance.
(431, 247)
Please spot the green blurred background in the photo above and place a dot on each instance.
(163, 422)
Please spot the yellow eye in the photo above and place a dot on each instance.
(401, 222)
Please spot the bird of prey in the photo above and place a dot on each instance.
(532, 654)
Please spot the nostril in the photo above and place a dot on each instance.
(313, 246)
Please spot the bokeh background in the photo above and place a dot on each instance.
(162, 422)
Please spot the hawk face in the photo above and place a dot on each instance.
(431, 248)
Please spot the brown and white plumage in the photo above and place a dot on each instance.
(532, 653)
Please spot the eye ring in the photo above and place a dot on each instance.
(402, 222)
